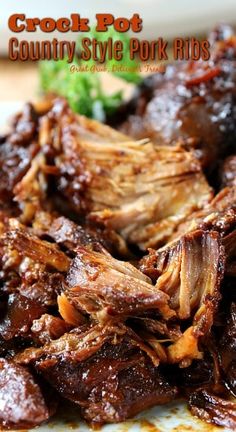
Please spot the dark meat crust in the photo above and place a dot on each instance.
(17, 151)
(18, 158)
(21, 401)
(29, 265)
(213, 409)
(228, 172)
(19, 314)
(93, 328)
(218, 215)
(107, 371)
(69, 234)
(26, 244)
(190, 271)
(128, 191)
(107, 288)
(193, 103)
(227, 350)
(47, 328)
(133, 189)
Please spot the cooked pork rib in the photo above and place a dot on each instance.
(122, 186)
(18, 158)
(107, 288)
(102, 333)
(69, 234)
(47, 328)
(190, 271)
(19, 314)
(213, 409)
(31, 266)
(218, 215)
(192, 102)
(107, 371)
(227, 350)
(22, 404)
(140, 192)
(228, 172)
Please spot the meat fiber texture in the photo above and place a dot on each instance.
(117, 267)
(192, 102)
(139, 192)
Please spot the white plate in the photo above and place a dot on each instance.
(173, 417)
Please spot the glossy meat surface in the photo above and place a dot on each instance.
(228, 172)
(228, 350)
(105, 287)
(139, 192)
(108, 372)
(192, 103)
(213, 409)
(22, 404)
(190, 272)
(80, 315)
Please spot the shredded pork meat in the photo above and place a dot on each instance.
(123, 184)
(117, 259)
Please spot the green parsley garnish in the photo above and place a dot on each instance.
(83, 90)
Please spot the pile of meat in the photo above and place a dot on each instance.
(192, 104)
(118, 259)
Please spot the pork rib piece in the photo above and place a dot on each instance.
(218, 215)
(107, 371)
(22, 404)
(140, 192)
(107, 288)
(227, 350)
(187, 272)
(213, 409)
(29, 265)
(190, 271)
(17, 150)
(192, 102)
(228, 172)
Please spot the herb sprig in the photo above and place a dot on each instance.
(84, 90)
